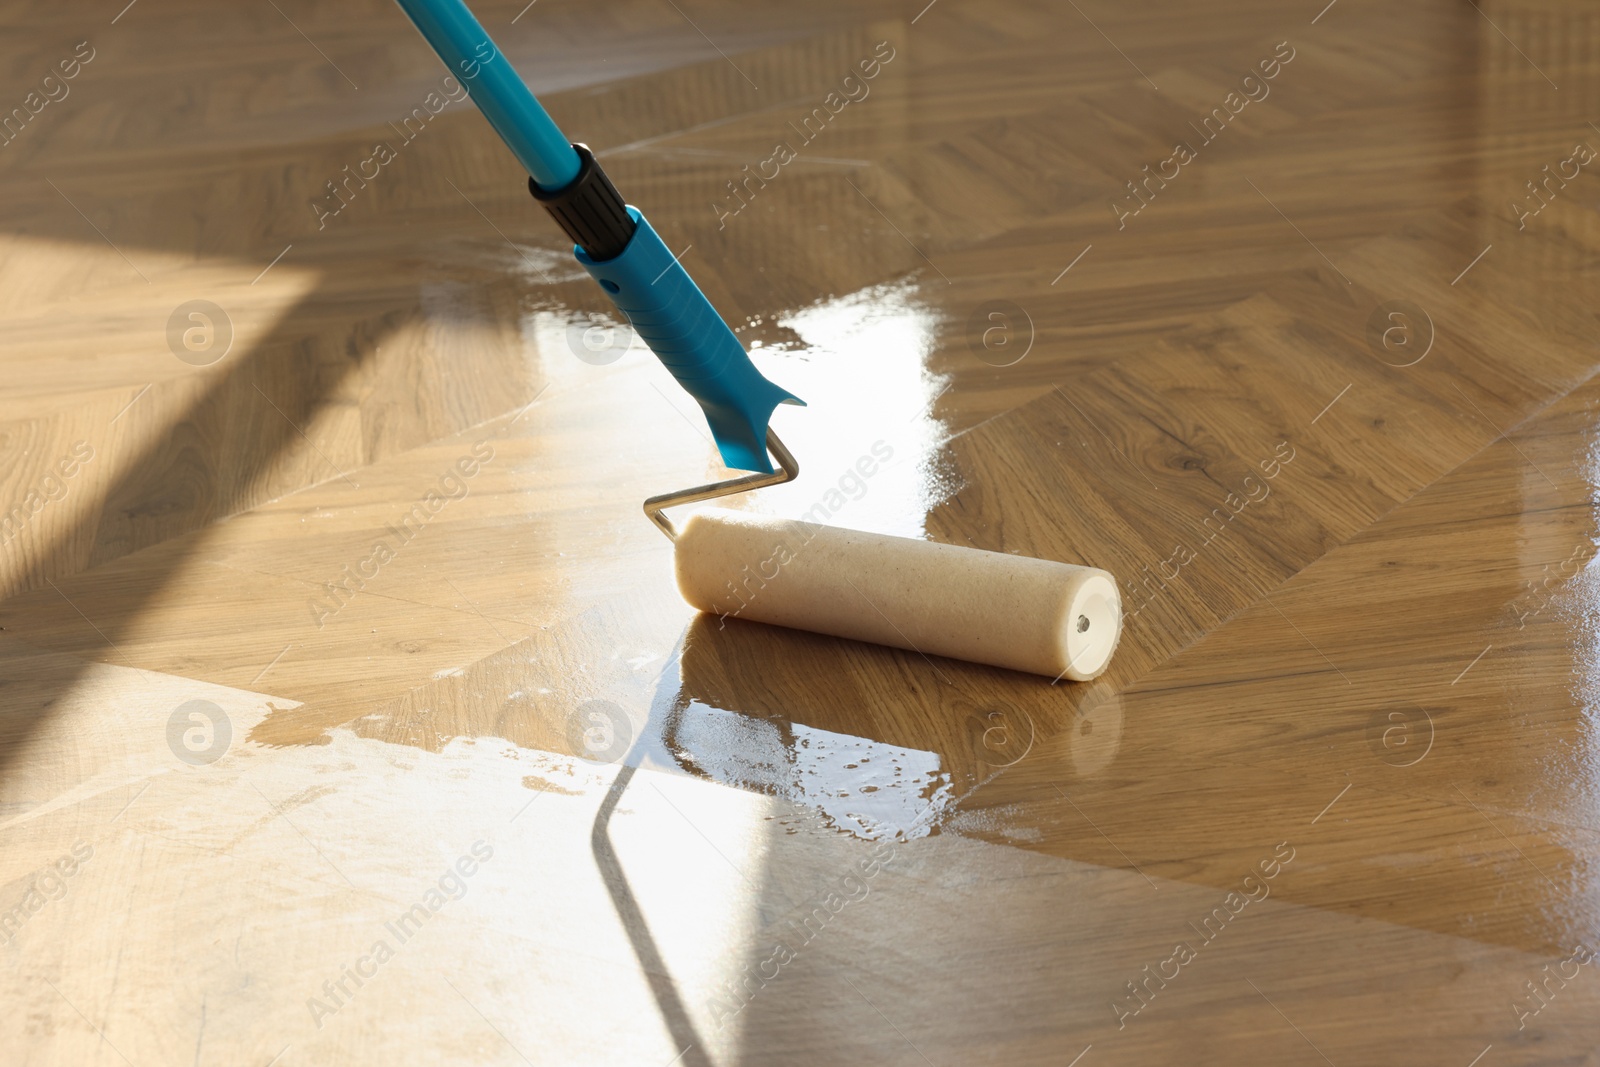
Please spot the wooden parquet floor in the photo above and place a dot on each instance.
(1284, 314)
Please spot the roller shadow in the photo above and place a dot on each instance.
(726, 711)
(662, 985)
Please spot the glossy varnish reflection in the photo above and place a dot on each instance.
(1324, 405)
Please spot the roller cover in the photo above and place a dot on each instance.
(1027, 614)
(685, 332)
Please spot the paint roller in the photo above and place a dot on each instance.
(1033, 615)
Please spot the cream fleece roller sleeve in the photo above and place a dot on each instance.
(1027, 614)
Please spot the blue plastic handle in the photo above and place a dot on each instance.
(497, 89)
(645, 281)
(669, 311)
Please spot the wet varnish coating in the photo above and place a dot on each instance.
(320, 600)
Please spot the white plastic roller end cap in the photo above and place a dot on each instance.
(1093, 624)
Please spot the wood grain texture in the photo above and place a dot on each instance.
(352, 635)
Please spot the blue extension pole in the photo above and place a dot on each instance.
(497, 89)
(614, 242)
